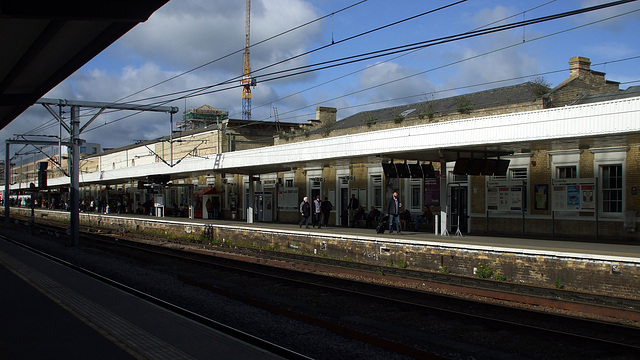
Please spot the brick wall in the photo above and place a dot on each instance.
(618, 278)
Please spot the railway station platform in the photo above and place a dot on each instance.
(608, 266)
(606, 249)
(50, 311)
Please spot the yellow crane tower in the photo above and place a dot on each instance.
(247, 81)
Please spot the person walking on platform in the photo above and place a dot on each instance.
(353, 207)
(327, 206)
(393, 211)
(317, 212)
(305, 212)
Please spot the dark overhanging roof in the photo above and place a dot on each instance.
(43, 44)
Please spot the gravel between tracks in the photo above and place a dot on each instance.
(306, 339)
(303, 338)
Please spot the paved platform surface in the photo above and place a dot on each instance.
(48, 311)
(602, 248)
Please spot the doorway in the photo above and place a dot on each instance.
(459, 214)
(343, 214)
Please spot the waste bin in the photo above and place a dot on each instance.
(630, 220)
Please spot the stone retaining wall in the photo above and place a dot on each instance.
(597, 275)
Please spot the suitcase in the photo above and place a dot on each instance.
(382, 224)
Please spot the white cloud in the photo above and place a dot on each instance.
(386, 73)
(501, 55)
(615, 25)
(180, 36)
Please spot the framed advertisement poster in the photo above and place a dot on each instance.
(573, 195)
(542, 197)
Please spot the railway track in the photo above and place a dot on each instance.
(402, 320)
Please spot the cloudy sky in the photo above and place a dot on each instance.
(190, 45)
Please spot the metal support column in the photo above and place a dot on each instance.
(74, 191)
(250, 203)
(444, 195)
(7, 180)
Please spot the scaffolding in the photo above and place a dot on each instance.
(200, 118)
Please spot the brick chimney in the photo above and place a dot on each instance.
(326, 115)
(579, 66)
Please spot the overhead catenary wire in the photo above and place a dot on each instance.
(52, 122)
(454, 63)
(396, 57)
(198, 91)
(428, 43)
(379, 53)
(465, 35)
(231, 87)
(468, 59)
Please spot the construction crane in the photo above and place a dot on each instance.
(247, 81)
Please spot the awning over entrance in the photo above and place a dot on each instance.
(205, 191)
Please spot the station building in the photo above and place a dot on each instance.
(525, 160)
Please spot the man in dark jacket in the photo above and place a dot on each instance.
(393, 210)
(327, 206)
(305, 212)
(353, 207)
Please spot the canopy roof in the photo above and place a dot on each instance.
(45, 43)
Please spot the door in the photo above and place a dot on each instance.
(267, 213)
(258, 210)
(459, 218)
(344, 204)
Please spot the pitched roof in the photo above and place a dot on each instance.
(525, 92)
(632, 91)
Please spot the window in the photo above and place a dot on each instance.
(518, 174)
(458, 178)
(288, 182)
(566, 172)
(376, 187)
(565, 163)
(416, 194)
(415, 189)
(611, 188)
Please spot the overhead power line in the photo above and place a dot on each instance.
(53, 122)
(390, 51)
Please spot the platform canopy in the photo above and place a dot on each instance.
(43, 43)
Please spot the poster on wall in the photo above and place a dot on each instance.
(516, 202)
(498, 198)
(588, 202)
(288, 198)
(505, 196)
(432, 190)
(573, 195)
(542, 196)
(492, 198)
(560, 198)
